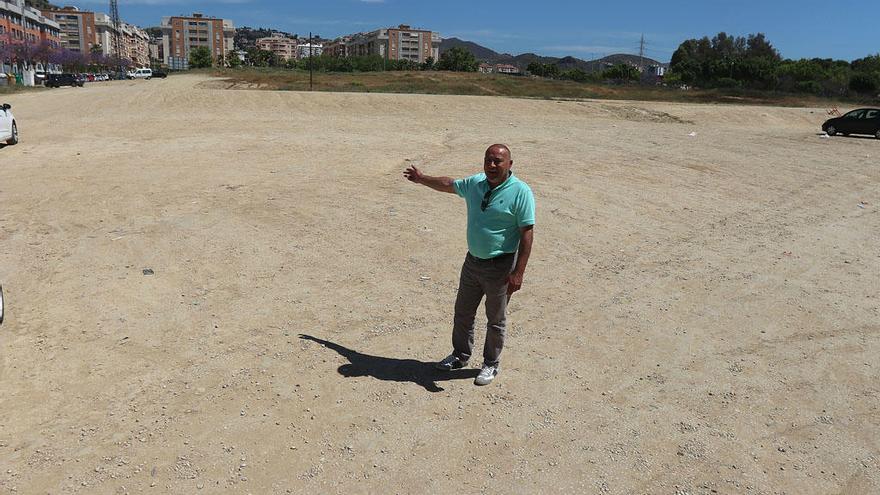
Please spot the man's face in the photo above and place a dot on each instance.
(497, 165)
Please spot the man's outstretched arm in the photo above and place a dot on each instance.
(442, 184)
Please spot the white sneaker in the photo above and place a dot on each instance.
(487, 374)
(450, 362)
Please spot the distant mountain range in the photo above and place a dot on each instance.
(522, 61)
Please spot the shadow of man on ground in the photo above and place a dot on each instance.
(391, 369)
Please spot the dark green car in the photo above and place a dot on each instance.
(861, 121)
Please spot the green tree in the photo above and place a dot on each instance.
(263, 58)
(864, 83)
(232, 59)
(622, 72)
(687, 61)
(402, 65)
(368, 63)
(458, 60)
(429, 64)
(536, 69)
(200, 57)
(576, 75)
(867, 64)
(757, 46)
(727, 61)
(823, 77)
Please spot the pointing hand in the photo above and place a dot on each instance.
(413, 174)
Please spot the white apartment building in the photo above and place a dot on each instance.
(134, 41)
(306, 50)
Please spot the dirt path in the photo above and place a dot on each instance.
(700, 314)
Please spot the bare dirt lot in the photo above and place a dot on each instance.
(220, 291)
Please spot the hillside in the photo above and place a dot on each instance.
(523, 60)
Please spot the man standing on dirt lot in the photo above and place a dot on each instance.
(500, 221)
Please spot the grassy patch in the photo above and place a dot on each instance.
(8, 90)
(459, 83)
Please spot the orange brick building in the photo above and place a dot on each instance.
(20, 24)
(78, 31)
(400, 43)
(182, 34)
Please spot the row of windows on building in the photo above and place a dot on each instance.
(48, 32)
(18, 35)
(197, 34)
(15, 19)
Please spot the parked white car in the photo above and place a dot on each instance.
(8, 127)
(141, 74)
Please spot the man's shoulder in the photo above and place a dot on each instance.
(521, 185)
(467, 185)
(474, 179)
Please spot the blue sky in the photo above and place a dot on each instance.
(844, 29)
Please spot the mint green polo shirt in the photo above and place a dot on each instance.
(496, 231)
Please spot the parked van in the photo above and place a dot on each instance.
(140, 74)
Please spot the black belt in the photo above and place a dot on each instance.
(496, 259)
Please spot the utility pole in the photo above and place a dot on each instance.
(311, 66)
(117, 35)
(642, 54)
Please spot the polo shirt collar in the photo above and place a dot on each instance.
(506, 182)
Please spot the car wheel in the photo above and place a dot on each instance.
(877, 134)
(148, 78)
(831, 130)
(14, 138)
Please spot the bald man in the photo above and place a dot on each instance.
(501, 218)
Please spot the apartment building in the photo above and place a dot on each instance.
(283, 46)
(133, 40)
(78, 30)
(23, 25)
(182, 34)
(154, 48)
(400, 43)
(309, 50)
(137, 44)
(338, 47)
(83, 31)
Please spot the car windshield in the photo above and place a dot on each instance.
(855, 114)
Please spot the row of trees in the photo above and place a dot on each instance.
(619, 72)
(752, 62)
(45, 54)
(456, 59)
